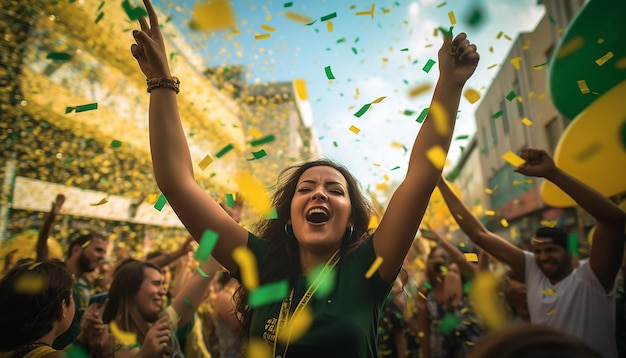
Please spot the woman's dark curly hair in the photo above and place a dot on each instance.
(283, 259)
(31, 295)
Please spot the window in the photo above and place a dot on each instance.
(553, 133)
(505, 117)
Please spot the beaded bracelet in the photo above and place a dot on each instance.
(171, 83)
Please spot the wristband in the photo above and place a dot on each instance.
(171, 83)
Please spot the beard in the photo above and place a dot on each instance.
(84, 264)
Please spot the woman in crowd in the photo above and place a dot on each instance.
(322, 217)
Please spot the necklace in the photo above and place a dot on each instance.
(27, 348)
(285, 307)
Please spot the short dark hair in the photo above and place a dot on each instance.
(82, 239)
(551, 235)
(29, 314)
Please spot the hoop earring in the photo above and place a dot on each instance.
(287, 231)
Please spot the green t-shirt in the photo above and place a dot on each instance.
(345, 321)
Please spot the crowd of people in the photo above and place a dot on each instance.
(351, 290)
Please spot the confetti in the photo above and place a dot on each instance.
(254, 192)
(288, 4)
(268, 139)
(573, 244)
(447, 323)
(498, 114)
(247, 265)
(101, 202)
(202, 273)
(492, 66)
(214, 15)
(82, 108)
(511, 96)
(363, 109)
(471, 95)
(422, 115)
(298, 17)
(374, 267)
(160, 203)
(582, 85)
(354, 129)
(504, 222)
(437, 156)
(513, 159)
(429, 64)
(418, 90)
(463, 136)
(327, 284)
(207, 243)
(515, 61)
(87, 243)
(29, 284)
(570, 47)
(230, 200)
(452, 17)
(371, 12)
(204, 163)
(470, 257)
(440, 118)
(225, 150)
(379, 99)
(269, 293)
(273, 214)
(490, 212)
(483, 295)
(329, 73)
(133, 13)
(115, 143)
(100, 16)
(267, 28)
(126, 338)
(298, 325)
(262, 36)
(258, 154)
(329, 26)
(59, 56)
(257, 348)
(329, 16)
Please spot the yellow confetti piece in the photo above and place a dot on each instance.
(123, 337)
(621, 63)
(424, 298)
(515, 61)
(499, 34)
(329, 26)
(101, 202)
(548, 291)
(419, 263)
(418, 90)
(458, 216)
(504, 223)
(490, 212)
(513, 159)
(541, 96)
(484, 297)
(452, 17)
(437, 156)
(379, 99)
(375, 265)
(267, 28)
(29, 284)
(471, 257)
(261, 36)
(551, 312)
(248, 267)
(373, 224)
(492, 66)
(298, 17)
(570, 47)
(205, 162)
(440, 117)
(257, 348)
(508, 37)
(254, 192)
(214, 15)
(471, 95)
(354, 129)
(582, 85)
(442, 5)
(297, 326)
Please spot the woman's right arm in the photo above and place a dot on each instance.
(171, 160)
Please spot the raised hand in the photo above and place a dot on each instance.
(538, 163)
(149, 49)
(157, 339)
(430, 235)
(457, 59)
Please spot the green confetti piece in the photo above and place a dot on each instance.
(329, 73)
(415, 61)
(405, 49)
(447, 323)
(59, 56)
(475, 16)
(100, 6)
(272, 215)
(422, 115)
(224, 150)
(264, 140)
(100, 16)
(395, 168)
(354, 51)
(134, 13)
(327, 284)
(160, 203)
(116, 143)
(258, 155)
(428, 65)
(335, 144)
(329, 16)
(356, 40)
(202, 273)
(511, 96)
(363, 109)
(551, 19)
(573, 243)
(207, 243)
(86, 107)
(230, 200)
(427, 285)
(463, 136)
(288, 4)
(540, 65)
(269, 293)
(311, 23)
(408, 112)
(343, 39)
(467, 286)
(462, 148)
(498, 114)
(447, 33)
(69, 109)
(188, 303)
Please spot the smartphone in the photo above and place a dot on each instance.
(98, 297)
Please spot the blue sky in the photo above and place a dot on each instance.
(376, 57)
